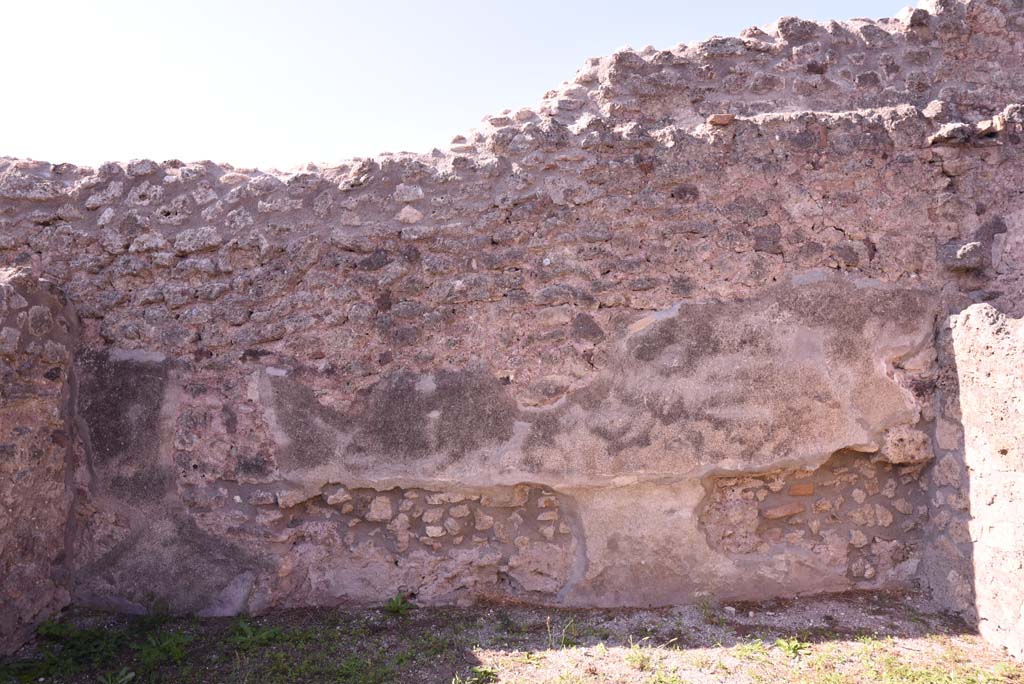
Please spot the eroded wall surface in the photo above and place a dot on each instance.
(292, 490)
(681, 330)
(990, 361)
(37, 342)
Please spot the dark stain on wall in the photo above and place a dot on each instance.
(405, 416)
(120, 402)
(312, 428)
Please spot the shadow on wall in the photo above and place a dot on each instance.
(948, 555)
(974, 551)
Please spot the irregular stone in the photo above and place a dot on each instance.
(9, 338)
(148, 242)
(432, 516)
(883, 516)
(905, 445)
(287, 498)
(40, 321)
(441, 498)
(948, 434)
(783, 511)
(263, 498)
(482, 521)
(947, 472)
(409, 214)
(801, 489)
(963, 256)
(113, 241)
(197, 240)
(381, 509)
(407, 193)
(337, 496)
(721, 119)
(863, 516)
(951, 134)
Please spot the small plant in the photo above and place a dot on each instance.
(160, 650)
(867, 639)
(638, 658)
(122, 676)
(505, 622)
(1007, 672)
(569, 678)
(702, 661)
(832, 678)
(353, 670)
(793, 647)
(156, 616)
(751, 650)
(68, 650)
(666, 677)
(244, 636)
(566, 638)
(708, 612)
(529, 658)
(570, 634)
(398, 604)
(478, 675)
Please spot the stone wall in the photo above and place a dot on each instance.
(990, 362)
(679, 331)
(37, 342)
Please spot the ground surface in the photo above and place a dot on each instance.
(844, 639)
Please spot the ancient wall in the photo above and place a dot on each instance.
(990, 362)
(681, 330)
(37, 343)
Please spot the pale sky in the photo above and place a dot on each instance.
(279, 83)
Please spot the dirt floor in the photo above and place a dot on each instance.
(841, 639)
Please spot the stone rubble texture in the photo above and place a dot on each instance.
(37, 344)
(682, 330)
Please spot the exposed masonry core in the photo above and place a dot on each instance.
(852, 513)
(729, 320)
(518, 537)
(38, 335)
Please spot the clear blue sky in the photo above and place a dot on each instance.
(278, 83)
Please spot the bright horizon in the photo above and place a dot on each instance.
(277, 85)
